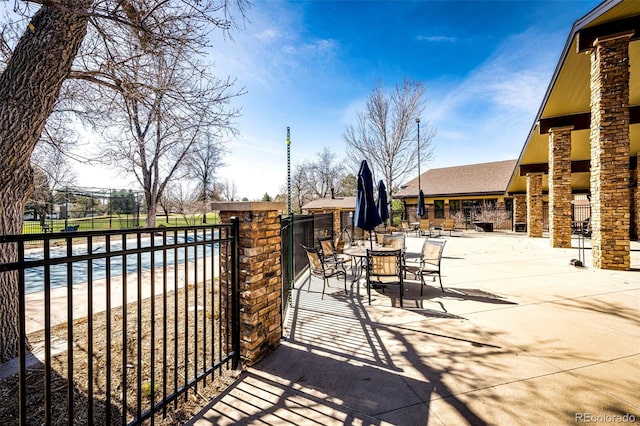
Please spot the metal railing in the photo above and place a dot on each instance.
(117, 327)
(501, 218)
(296, 230)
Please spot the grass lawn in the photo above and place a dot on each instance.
(115, 222)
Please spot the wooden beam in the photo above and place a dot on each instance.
(581, 166)
(580, 121)
(634, 114)
(534, 168)
(586, 36)
(577, 166)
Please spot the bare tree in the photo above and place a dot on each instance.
(202, 166)
(54, 164)
(385, 133)
(224, 190)
(185, 200)
(32, 79)
(301, 191)
(169, 111)
(324, 174)
(315, 179)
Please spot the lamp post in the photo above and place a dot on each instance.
(418, 121)
(288, 171)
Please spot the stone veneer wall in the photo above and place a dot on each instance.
(535, 217)
(560, 212)
(260, 276)
(519, 208)
(610, 174)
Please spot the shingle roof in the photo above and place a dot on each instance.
(337, 202)
(476, 179)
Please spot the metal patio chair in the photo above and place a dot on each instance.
(428, 262)
(330, 253)
(321, 269)
(395, 241)
(383, 268)
(449, 225)
(425, 227)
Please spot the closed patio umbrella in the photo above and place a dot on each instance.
(366, 215)
(383, 207)
(421, 209)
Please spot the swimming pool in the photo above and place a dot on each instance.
(171, 251)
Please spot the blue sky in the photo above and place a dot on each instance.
(310, 65)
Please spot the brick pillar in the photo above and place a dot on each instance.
(610, 148)
(336, 222)
(560, 213)
(519, 208)
(535, 218)
(260, 275)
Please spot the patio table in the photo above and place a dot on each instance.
(359, 253)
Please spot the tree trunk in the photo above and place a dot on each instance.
(29, 87)
(152, 208)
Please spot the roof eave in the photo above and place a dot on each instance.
(598, 11)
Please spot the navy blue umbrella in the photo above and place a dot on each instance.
(366, 215)
(383, 207)
(421, 209)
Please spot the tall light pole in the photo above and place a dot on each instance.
(288, 172)
(418, 121)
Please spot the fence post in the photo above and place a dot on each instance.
(259, 275)
(235, 293)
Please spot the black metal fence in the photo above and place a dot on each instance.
(581, 212)
(296, 230)
(118, 327)
(99, 223)
(501, 218)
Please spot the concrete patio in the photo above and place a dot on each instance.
(520, 336)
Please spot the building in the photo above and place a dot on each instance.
(586, 136)
(461, 192)
(341, 207)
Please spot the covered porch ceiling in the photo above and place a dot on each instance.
(567, 100)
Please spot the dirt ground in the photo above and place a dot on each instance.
(173, 350)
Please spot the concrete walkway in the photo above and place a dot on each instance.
(519, 337)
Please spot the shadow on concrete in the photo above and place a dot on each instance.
(341, 366)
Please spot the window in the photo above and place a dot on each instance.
(491, 203)
(438, 206)
(454, 207)
(508, 204)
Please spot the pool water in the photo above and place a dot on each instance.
(34, 277)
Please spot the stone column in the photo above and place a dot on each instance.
(260, 275)
(336, 222)
(535, 218)
(519, 209)
(610, 148)
(560, 213)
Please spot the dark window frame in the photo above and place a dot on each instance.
(438, 209)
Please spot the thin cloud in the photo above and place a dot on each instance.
(436, 39)
(496, 103)
(274, 48)
(509, 80)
